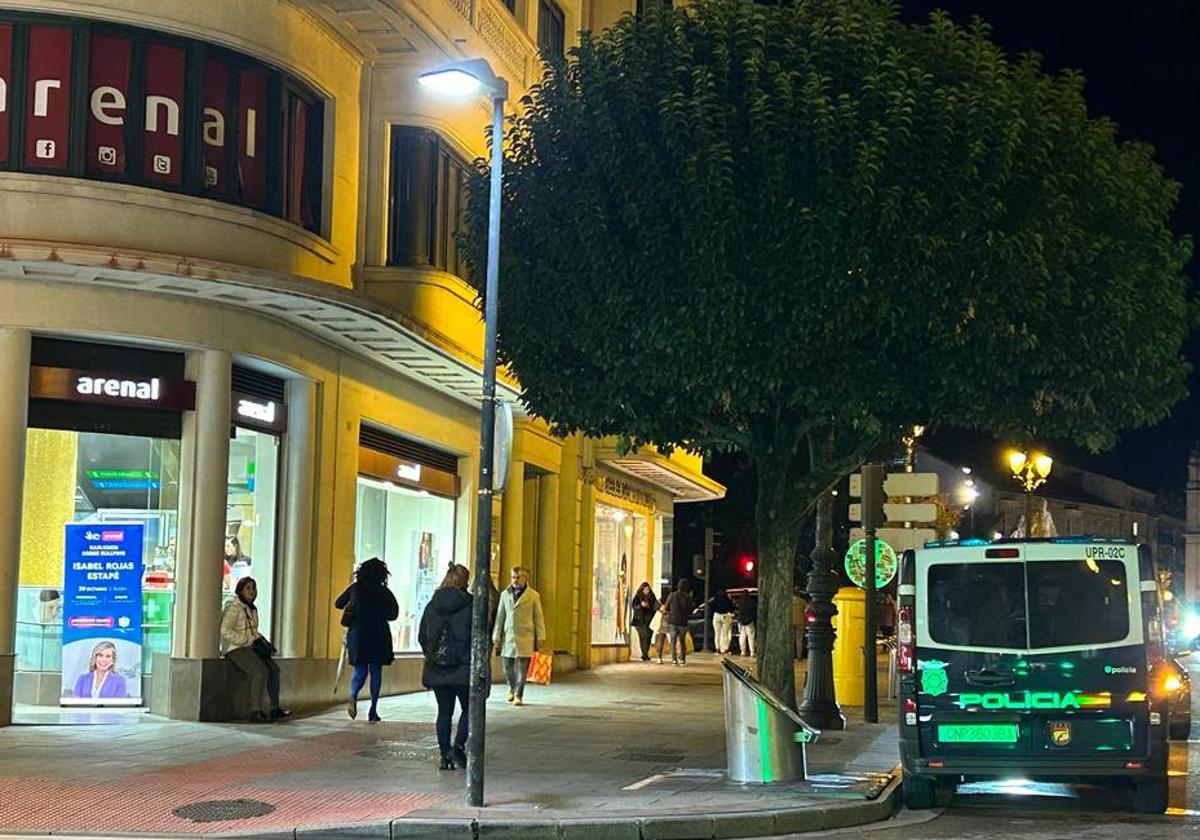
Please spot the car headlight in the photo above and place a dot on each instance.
(1172, 683)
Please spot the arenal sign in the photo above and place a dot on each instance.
(142, 98)
(111, 388)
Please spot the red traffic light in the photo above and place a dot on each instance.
(747, 564)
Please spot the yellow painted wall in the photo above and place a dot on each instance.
(48, 504)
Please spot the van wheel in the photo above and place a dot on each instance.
(1150, 796)
(920, 792)
(946, 787)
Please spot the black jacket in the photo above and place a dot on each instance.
(679, 608)
(747, 610)
(447, 608)
(369, 639)
(721, 603)
(644, 608)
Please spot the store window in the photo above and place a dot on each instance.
(251, 509)
(85, 477)
(412, 531)
(620, 555)
(427, 201)
(660, 569)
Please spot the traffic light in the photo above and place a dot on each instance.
(748, 565)
(873, 496)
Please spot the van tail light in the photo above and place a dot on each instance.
(904, 640)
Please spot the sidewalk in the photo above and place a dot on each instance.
(627, 751)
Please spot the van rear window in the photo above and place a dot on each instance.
(1070, 603)
(977, 604)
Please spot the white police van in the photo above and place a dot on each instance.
(1034, 659)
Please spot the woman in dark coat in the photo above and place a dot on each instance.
(445, 639)
(368, 639)
(645, 605)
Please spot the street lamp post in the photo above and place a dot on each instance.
(465, 78)
(1031, 471)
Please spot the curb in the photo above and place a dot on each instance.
(765, 823)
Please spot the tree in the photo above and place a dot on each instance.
(796, 231)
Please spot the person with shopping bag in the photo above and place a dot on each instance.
(520, 631)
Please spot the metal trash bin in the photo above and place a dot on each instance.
(764, 740)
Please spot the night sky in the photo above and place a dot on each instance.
(1141, 61)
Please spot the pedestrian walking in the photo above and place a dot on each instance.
(645, 607)
(722, 620)
(520, 631)
(250, 652)
(367, 606)
(679, 609)
(445, 639)
(747, 616)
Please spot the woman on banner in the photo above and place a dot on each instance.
(101, 681)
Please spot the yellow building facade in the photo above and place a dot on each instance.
(235, 334)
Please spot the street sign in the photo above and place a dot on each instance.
(901, 484)
(885, 563)
(900, 539)
(920, 512)
(502, 444)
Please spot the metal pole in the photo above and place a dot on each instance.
(870, 681)
(819, 707)
(707, 606)
(481, 643)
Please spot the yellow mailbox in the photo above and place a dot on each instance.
(851, 625)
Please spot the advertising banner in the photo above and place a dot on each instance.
(102, 615)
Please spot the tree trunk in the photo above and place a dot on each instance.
(779, 512)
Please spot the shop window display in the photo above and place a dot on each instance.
(253, 492)
(413, 532)
(619, 556)
(101, 478)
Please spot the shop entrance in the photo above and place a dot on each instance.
(127, 488)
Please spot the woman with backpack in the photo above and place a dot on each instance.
(445, 639)
(367, 606)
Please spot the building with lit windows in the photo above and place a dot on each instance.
(235, 341)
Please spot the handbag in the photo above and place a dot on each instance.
(349, 611)
(656, 621)
(541, 666)
(263, 647)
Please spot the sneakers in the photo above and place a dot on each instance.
(459, 755)
(447, 762)
(519, 701)
(352, 709)
(674, 661)
(511, 695)
(280, 714)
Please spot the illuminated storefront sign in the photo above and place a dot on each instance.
(260, 413)
(137, 90)
(53, 383)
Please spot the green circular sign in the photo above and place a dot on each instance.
(885, 563)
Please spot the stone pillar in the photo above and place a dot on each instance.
(204, 471)
(298, 519)
(562, 629)
(547, 552)
(1191, 536)
(14, 414)
(512, 522)
(587, 572)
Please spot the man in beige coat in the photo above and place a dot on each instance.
(520, 630)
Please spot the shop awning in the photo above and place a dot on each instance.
(681, 475)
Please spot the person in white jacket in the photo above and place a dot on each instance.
(250, 652)
(520, 631)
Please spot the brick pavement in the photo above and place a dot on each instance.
(616, 744)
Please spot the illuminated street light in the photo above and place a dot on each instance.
(1031, 472)
(463, 79)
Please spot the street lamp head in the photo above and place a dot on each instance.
(1016, 461)
(1042, 464)
(465, 78)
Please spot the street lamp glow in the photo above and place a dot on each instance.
(1016, 461)
(450, 82)
(1042, 463)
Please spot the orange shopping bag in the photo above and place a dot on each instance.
(540, 666)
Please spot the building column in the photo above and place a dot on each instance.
(14, 414)
(512, 522)
(563, 629)
(587, 572)
(547, 552)
(204, 472)
(298, 521)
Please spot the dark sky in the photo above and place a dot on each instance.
(1142, 65)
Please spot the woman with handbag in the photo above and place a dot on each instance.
(644, 608)
(251, 653)
(367, 606)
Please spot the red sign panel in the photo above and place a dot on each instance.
(108, 105)
(252, 136)
(162, 158)
(6, 41)
(218, 126)
(48, 97)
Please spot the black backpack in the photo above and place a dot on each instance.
(441, 650)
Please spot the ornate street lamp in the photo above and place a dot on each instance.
(1031, 472)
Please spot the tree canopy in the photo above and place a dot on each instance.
(795, 230)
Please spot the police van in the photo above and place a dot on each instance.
(1034, 659)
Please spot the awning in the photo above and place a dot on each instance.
(681, 475)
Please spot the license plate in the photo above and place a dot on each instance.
(978, 733)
